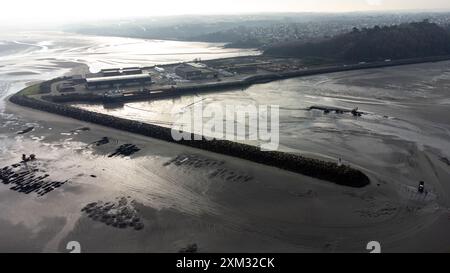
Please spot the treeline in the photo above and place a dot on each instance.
(412, 40)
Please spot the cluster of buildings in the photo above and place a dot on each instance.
(308, 29)
(108, 80)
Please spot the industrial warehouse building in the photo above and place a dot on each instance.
(118, 81)
(194, 72)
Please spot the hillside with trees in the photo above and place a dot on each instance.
(412, 40)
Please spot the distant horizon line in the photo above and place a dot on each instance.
(13, 25)
(435, 10)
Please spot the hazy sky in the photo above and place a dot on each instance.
(33, 11)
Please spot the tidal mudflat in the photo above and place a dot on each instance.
(183, 197)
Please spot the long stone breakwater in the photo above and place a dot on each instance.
(323, 170)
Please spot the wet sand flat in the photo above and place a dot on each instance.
(182, 205)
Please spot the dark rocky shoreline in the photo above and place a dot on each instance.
(328, 171)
